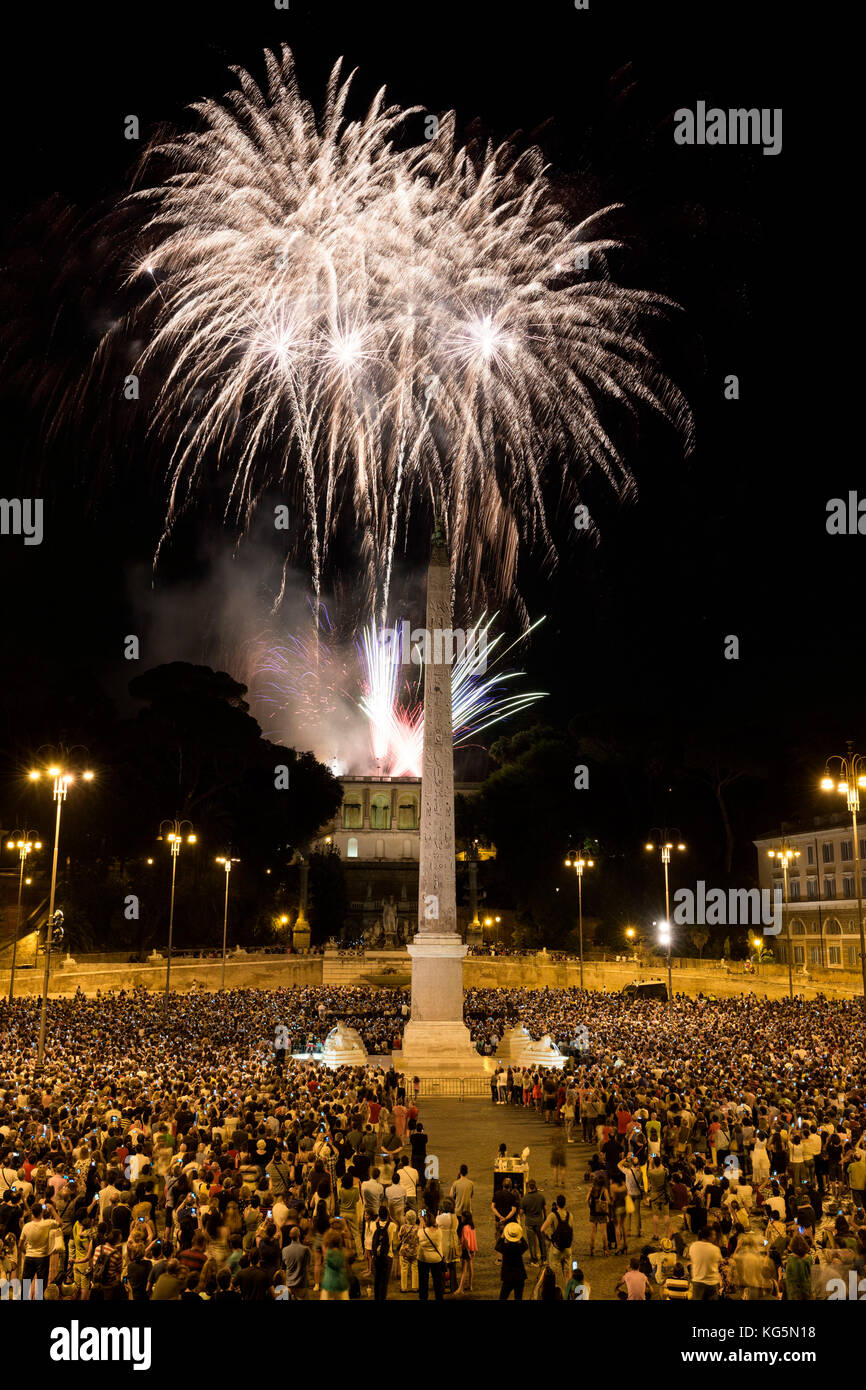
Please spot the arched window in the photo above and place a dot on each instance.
(832, 928)
(380, 812)
(407, 814)
(352, 849)
(797, 928)
(353, 815)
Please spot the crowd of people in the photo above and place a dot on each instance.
(735, 1128)
(182, 1155)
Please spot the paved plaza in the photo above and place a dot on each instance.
(470, 1131)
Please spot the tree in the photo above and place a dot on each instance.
(329, 899)
(699, 936)
(194, 752)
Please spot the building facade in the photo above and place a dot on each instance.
(822, 915)
(377, 832)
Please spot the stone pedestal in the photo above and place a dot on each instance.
(520, 1050)
(436, 1041)
(301, 932)
(344, 1047)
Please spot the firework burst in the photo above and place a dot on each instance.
(480, 696)
(375, 329)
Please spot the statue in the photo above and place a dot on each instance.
(389, 916)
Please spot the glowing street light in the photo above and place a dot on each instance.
(784, 854)
(665, 844)
(172, 831)
(25, 846)
(226, 862)
(579, 864)
(61, 779)
(852, 776)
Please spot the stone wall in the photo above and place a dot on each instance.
(250, 972)
(487, 972)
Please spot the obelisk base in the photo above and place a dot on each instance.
(436, 1041)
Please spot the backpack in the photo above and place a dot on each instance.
(381, 1244)
(563, 1234)
(101, 1264)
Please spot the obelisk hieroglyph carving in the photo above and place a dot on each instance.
(436, 1041)
(437, 894)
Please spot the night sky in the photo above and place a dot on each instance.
(731, 540)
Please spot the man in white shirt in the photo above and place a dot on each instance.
(409, 1179)
(372, 1195)
(705, 1258)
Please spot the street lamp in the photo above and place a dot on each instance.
(665, 940)
(61, 782)
(25, 845)
(226, 862)
(665, 839)
(852, 769)
(579, 864)
(172, 831)
(785, 854)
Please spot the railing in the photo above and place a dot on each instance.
(453, 1088)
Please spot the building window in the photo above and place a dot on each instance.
(407, 815)
(810, 854)
(353, 816)
(352, 850)
(812, 888)
(827, 852)
(794, 890)
(834, 955)
(799, 955)
(815, 955)
(847, 885)
(380, 812)
(797, 928)
(832, 928)
(847, 848)
(407, 852)
(829, 885)
(852, 955)
(863, 849)
(380, 849)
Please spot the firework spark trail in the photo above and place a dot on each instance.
(380, 656)
(330, 296)
(477, 698)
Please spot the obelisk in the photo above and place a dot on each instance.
(436, 1041)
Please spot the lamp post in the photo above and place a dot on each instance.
(758, 947)
(61, 780)
(579, 864)
(25, 845)
(665, 940)
(665, 843)
(226, 862)
(785, 854)
(172, 831)
(852, 776)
